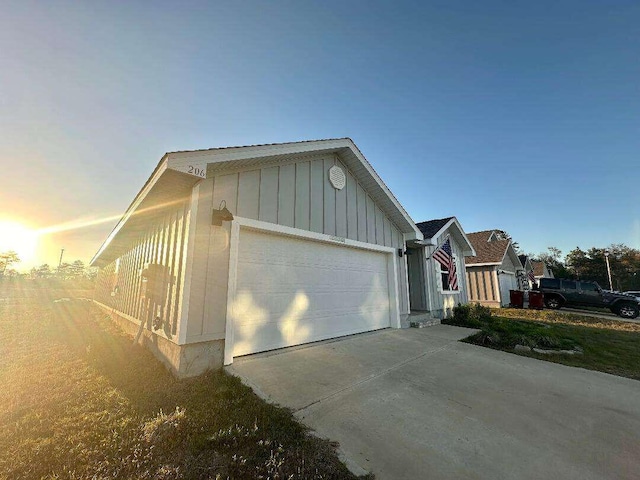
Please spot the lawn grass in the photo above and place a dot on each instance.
(609, 346)
(79, 401)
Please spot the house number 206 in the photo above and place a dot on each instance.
(197, 171)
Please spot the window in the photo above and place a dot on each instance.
(569, 285)
(588, 287)
(444, 277)
(552, 283)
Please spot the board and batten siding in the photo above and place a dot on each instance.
(295, 194)
(163, 243)
(442, 303)
(483, 285)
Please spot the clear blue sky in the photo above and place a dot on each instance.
(523, 116)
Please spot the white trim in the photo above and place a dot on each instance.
(482, 264)
(319, 237)
(189, 245)
(454, 221)
(394, 300)
(406, 274)
(250, 224)
(234, 243)
(439, 273)
(429, 276)
(155, 176)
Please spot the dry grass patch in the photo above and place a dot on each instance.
(555, 316)
(79, 401)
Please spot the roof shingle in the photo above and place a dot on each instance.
(431, 227)
(486, 252)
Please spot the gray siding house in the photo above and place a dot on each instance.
(493, 271)
(429, 288)
(231, 251)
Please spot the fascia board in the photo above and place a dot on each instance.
(142, 194)
(488, 264)
(470, 251)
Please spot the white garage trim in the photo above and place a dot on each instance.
(244, 223)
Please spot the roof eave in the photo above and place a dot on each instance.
(142, 194)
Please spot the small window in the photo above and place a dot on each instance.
(588, 287)
(569, 285)
(552, 283)
(444, 278)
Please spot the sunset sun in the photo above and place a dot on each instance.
(19, 238)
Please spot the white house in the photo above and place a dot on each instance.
(493, 271)
(429, 286)
(230, 251)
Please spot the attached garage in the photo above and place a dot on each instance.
(294, 289)
(232, 251)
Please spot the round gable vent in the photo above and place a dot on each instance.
(337, 177)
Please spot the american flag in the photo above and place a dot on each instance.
(444, 257)
(531, 276)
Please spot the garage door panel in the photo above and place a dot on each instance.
(292, 291)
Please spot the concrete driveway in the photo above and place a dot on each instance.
(416, 403)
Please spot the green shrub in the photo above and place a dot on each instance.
(480, 313)
(472, 316)
(461, 312)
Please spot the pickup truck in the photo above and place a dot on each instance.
(560, 292)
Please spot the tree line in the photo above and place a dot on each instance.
(591, 264)
(66, 271)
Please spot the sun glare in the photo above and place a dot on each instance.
(15, 236)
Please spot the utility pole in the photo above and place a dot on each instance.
(606, 257)
(60, 261)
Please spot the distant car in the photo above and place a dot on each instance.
(633, 294)
(560, 292)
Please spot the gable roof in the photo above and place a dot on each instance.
(431, 229)
(538, 268)
(487, 252)
(524, 259)
(173, 179)
(490, 252)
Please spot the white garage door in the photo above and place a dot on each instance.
(291, 291)
(507, 282)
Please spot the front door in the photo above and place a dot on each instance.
(416, 273)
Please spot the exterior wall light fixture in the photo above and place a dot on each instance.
(222, 214)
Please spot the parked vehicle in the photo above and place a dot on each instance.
(633, 294)
(560, 292)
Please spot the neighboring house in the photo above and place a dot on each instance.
(540, 270)
(493, 271)
(524, 277)
(429, 287)
(231, 251)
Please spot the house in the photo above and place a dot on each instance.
(493, 271)
(524, 278)
(429, 286)
(541, 270)
(231, 251)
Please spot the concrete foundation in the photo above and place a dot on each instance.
(183, 361)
